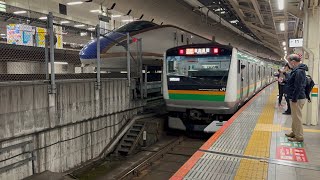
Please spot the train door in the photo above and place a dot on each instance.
(240, 70)
(264, 76)
(248, 79)
(254, 78)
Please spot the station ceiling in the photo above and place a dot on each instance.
(253, 25)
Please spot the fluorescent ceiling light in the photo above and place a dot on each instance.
(92, 28)
(83, 33)
(79, 25)
(19, 12)
(234, 21)
(222, 12)
(284, 48)
(220, 9)
(283, 43)
(281, 4)
(115, 16)
(65, 22)
(2, 6)
(74, 3)
(96, 11)
(282, 28)
(43, 17)
(60, 62)
(127, 20)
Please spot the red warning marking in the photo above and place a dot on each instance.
(291, 154)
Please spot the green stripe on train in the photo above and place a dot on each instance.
(197, 97)
(314, 95)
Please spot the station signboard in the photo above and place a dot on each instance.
(296, 42)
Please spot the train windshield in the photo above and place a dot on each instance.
(135, 26)
(207, 69)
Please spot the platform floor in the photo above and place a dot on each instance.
(252, 145)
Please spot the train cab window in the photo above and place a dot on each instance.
(187, 40)
(206, 70)
(259, 75)
(239, 66)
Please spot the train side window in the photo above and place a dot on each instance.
(182, 38)
(239, 66)
(259, 75)
(252, 72)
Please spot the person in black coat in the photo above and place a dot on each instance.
(296, 92)
(287, 71)
(281, 84)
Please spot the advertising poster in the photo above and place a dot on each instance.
(58, 32)
(27, 34)
(40, 38)
(13, 34)
(20, 34)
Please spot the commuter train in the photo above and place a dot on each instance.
(156, 39)
(204, 84)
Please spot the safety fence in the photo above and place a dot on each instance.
(36, 46)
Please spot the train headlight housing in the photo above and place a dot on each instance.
(181, 51)
(215, 50)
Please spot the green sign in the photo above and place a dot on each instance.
(283, 141)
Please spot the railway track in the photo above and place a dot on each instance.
(163, 163)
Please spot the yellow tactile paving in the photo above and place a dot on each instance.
(259, 144)
(268, 127)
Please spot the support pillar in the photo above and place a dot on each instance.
(312, 44)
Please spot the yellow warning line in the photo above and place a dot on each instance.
(304, 130)
(278, 128)
(259, 144)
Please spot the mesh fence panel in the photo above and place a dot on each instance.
(22, 48)
(22, 56)
(70, 40)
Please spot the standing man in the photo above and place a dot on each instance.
(287, 71)
(281, 84)
(296, 93)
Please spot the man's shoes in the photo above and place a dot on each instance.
(287, 113)
(291, 135)
(295, 139)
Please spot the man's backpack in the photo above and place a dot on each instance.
(309, 86)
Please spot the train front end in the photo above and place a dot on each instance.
(198, 81)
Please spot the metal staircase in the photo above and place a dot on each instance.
(131, 139)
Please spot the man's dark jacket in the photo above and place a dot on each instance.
(297, 82)
(285, 81)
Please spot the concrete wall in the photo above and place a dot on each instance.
(60, 131)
